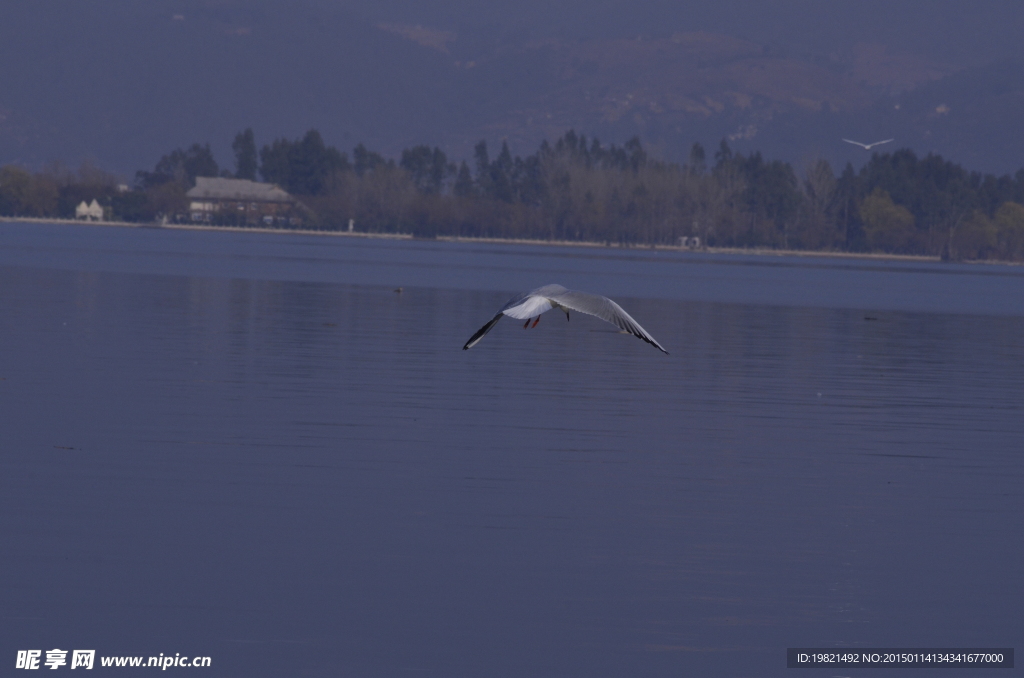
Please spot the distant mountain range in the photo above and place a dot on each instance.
(122, 83)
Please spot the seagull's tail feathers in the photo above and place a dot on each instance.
(475, 339)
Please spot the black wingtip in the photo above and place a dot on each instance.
(481, 332)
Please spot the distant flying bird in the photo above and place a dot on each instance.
(867, 147)
(530, 305)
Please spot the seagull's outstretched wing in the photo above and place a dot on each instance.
(543, 299)
(605, 309)
(482, 331)
(513, 303)
(867, 147)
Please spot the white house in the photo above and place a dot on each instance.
(90, 212)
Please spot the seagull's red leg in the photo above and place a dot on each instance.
(526, 324)
(535, 321)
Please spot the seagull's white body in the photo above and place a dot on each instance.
(867, 147)
(541, 300)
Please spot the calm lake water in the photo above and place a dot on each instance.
(249, 447)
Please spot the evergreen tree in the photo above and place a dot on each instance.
(723, 155)
(848, 196)
(637, 154)
(483, 168)
(246, 159)
(275, 162)
(314, 163)
(501, 175)
(181, 166)
(698, 159)
(364, 161)
(428, 168)
(464, 186)
(304, 166)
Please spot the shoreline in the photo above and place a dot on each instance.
(513, 241)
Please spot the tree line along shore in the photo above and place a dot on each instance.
(577, 189)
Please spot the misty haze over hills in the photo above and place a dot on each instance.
(121, 83)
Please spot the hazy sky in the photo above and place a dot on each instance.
(959, 31)
(121, 82)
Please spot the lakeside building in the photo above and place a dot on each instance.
(90, 212)
(241, 202)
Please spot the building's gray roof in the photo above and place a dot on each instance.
(219, 188)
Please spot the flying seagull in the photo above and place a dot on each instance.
(867, 147)
(530, 305)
